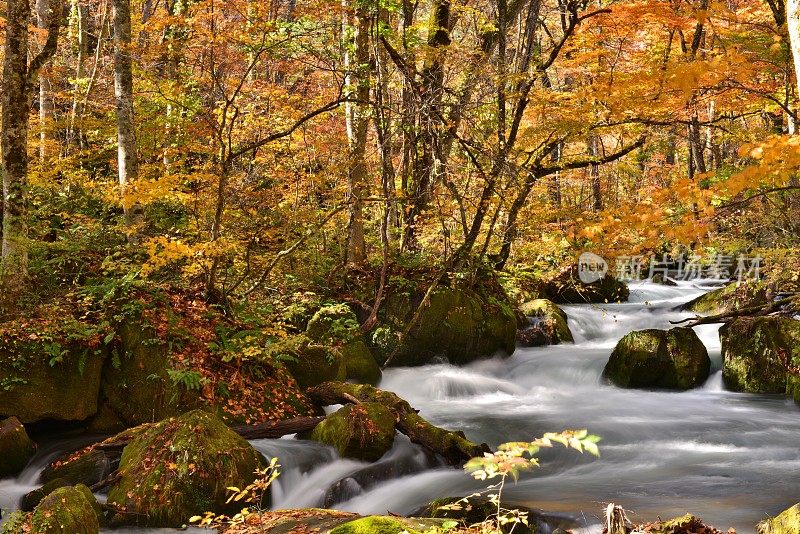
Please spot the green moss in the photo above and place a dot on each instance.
(756, 353)
(69, 510)
(16, 448)
(309, 363)
(567, 288)
(33, 498)
(363, 431)
(360, 364)
(671, 359)
(181, 467)
(728, 298)
(787, 522)
(374, 525)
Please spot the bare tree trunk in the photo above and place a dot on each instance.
(357, 118)
(793, 22)
(594, 173)
(127, 157)
(554, 181)
(46, 105)
(80, 13)
(17, 94)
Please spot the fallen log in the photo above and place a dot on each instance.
(277, 429)
(786, 307)
(453, 446)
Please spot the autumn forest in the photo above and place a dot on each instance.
(385, 266)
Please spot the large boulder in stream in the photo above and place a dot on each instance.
(761, 355)
(567, 288)
(362, 431)
(787, 522)
(181, 467)
(547, 324)
(733, 296)
(336, 326)
(322, 521)
(460, 324)
(67, 510)
(669, 359)
(16, 448)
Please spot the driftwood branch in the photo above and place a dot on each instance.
(454, 447)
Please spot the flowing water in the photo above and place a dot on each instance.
(729, 458)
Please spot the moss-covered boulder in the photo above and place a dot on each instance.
(787, 522)
(731, 297)
(68, 510)
(685, 524)
(567, 288)
(308, 362)
(16, 448)
(386, 525)
(337, 327)
(181, 467)
(30, 500)
(45, 379)
(759, 355)
(459, 323)
(546, 324)
(361, 431)
(669, 359)
(137, 386)
(474, 510)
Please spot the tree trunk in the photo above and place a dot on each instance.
(357, 118)
(594, 173)
(46, 105)
(127, 157)
(453, 446)
(80, 13)
(793, 22)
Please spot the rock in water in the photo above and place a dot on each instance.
(181, 467)
(361, 431)
(761, 355)
(567, 288)
(16, 448)
(547, 324)
(731, 297)
(669, 359)
(788, 522)
(69, 510)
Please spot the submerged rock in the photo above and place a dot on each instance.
(670, 359)
(567, 288)
(547, 324)
(361, 431)
(731, 297)
(787, 522)
(762, 355)
(181, 467)
(16, 448)
(68, 510)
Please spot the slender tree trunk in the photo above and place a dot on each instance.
(46, 104)
(594, 173)
(357, 118)
(554, 180)
(80, 14)
(127, 157)
(793, 23)
(17, 95)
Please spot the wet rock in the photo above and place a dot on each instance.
(308, 362)
(181, 467)
(669, 359)
(306, 520)
(386, 525)
(787, 522)
(361, 431)
(31, 499)
(547, 324)
(567, 288)
(761, 355)
(87, 466)
(69, 510)
(16, 448)
(731, 297)
(685, 524)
